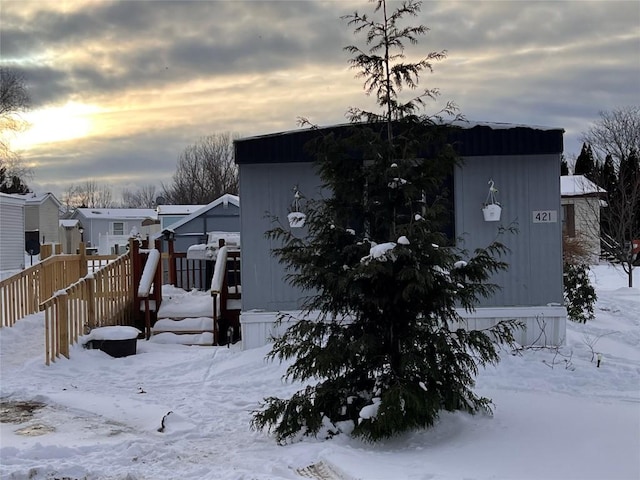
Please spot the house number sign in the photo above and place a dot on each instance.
(545, 216)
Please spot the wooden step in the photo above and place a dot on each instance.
(204, 339)
(185, 331)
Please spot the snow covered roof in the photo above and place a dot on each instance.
(225, 199)
(118, 213)
(501, 125)
(467, 124)
(578, 185)
(69, 223)
(37, 199)
(177, 209)
(9, 199)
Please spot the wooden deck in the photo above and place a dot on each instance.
(80, 292)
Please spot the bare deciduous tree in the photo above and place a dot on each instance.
(144, 197)
(205, 171)
(14, 100)
(616, 133)
(88, 195)
(615, 142)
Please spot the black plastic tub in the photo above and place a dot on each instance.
(117, 341)
(115, 348)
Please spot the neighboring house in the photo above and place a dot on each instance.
(12, 251)
(41, 220)
(170, 214)
(524, 164)
(71, 233)
(581, 202)
(221, 215)
(191, 234)
(107, 230)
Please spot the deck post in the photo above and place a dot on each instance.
(157, 281)
(45, 251)
(62, 319)
(172, 262)
(91, 304)
(136, 274)
(82, 250)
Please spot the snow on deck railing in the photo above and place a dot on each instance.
(149, 272)
(100, 298)
(22, 293)
(218, 271)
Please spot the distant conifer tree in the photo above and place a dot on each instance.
(564, 167)
(11, 183)
(585, 164)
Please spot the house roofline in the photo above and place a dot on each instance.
(470, 139)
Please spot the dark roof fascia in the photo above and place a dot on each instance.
(600, 195)
(469, 141)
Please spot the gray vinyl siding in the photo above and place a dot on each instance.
(525, 183)
(43, 217)
(267, 190)
(11, 233)
(32, 218)
(49, 221)
(217, 219)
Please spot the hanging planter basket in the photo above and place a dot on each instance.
(492, 212)
(296, 219)
(492, 209)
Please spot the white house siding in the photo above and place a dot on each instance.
(11, 232)
(49, 221)
(543, 326)
(582, 220)
(43, 216)
(99, 222)
(586, 218)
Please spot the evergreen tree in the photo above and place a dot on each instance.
(388, 351)
(564, 167)
(629, 179)
(608, 177)
(11, 183)
(579, 294)
(585, 163)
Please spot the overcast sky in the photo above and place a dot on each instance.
(120, 89)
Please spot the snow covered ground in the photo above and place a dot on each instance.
(557, 415)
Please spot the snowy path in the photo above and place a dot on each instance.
(553, 419)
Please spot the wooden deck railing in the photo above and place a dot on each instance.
(22, 293)
(102, 298)
(185, 273)
(225, 286)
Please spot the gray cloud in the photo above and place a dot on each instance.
(150, 44)
(167, 72)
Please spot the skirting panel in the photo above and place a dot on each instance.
(544, 325)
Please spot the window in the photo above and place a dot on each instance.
(568, 220)
(117, 228)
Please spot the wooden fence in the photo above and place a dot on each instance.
(22, 293)
(103, 298)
